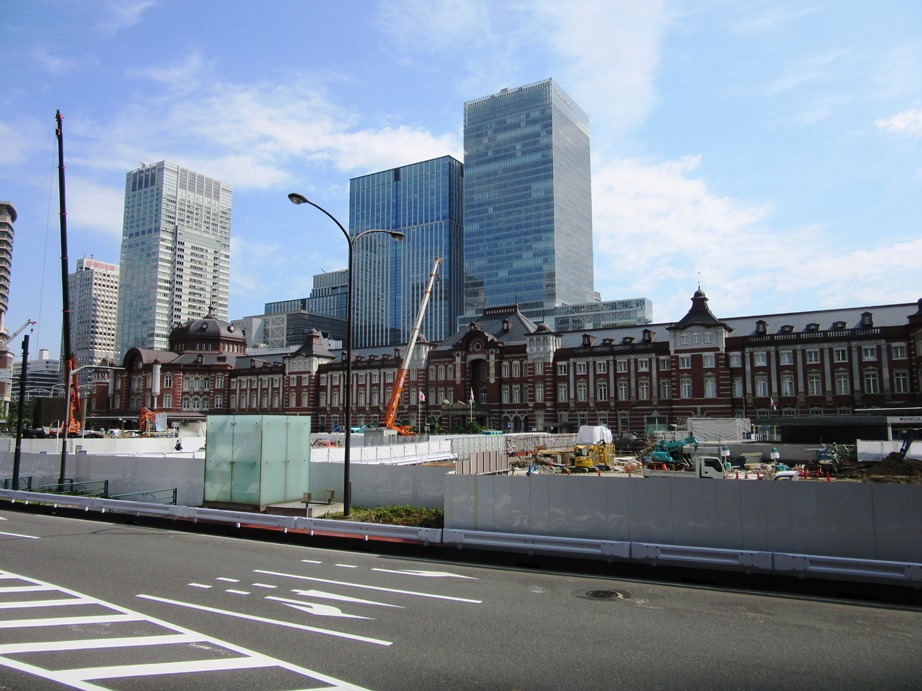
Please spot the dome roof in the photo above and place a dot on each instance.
(196, 332)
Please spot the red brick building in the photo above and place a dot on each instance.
(511, 374)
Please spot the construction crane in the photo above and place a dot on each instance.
(5, 340)
(391, 411)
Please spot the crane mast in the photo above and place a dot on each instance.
(391, 411)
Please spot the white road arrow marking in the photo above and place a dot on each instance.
(368, 587)
(343, 598)
(315, 609)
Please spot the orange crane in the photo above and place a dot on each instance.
(391, 411)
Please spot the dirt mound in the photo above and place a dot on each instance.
(894, 466)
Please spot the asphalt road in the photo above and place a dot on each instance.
(92, 604)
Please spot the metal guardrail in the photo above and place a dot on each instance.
(156, 496)
(747, 561)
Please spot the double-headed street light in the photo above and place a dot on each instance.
(347, 446)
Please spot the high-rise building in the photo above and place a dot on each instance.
(93, 310)
(527, 201)
(175, 261)
(329, 296)
(425, 202)
(7, 219)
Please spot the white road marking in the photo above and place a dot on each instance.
(232, 591)
(58, 602)
(370, 587)
(95, 643)
(265, 620)
(265, 585)
(310, 561)
(199, 585)
(315, 609)
(347, 566)
(122, 671)
(426, 574)
(31, 537)
(26, 589)
(343, 598)
(77, 678)
(228, 580)
(69, 621)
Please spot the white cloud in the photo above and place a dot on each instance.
(94, 208)
(121, 14)
(605, 53)
(659, 230)
(907, 124)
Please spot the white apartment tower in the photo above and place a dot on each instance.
(93, 310)
(175, 261)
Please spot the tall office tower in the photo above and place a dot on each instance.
(527, 201)
(175, 261)
(7, 219)
(330, 294)
(93, 310)
(425, 202)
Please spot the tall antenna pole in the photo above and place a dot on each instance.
(65, 293)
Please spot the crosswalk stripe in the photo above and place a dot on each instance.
(157, 668)
(100, 643)
(69, 621)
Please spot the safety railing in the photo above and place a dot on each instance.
(96, 488)
(25, 483)
(155, 496)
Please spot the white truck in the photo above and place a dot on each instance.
(695, 467)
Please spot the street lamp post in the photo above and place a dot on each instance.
(350, 239)
(73, 373)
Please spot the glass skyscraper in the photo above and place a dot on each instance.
(175, 259)
(423, 201)
(527, 201)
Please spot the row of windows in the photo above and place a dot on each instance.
(813, 356)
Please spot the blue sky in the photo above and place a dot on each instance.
(771, 151)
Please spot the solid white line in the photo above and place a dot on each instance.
(122, 671)
(60, 602)
(370, 587)
(287, 624)
(31, 537)
(69, 621)
(426, 574)
(100, 643)
(25, 589)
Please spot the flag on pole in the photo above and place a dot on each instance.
(422, 396)
(471, 399)
(774, 405)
